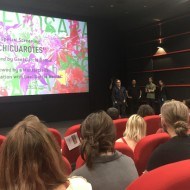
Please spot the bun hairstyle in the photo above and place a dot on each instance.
(181, 128)
(98, 134)
(176, 115)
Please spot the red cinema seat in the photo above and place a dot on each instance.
(173, 176)
(80, 162)
(2, 138)
(57, 135)
(120, 125)
(121, 147)
(153, 124)
(145, 147)
(71, 155)
(68, 167)
(124, 149)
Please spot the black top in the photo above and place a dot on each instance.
(118, 94)
(163, 93)
(174, 150)
(134, 92)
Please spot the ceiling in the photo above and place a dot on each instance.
(128, 13)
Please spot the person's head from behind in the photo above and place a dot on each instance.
(113, 113)
(145, 110)
(118, 83)
(135, 128)
(98, 136)
(175, 118)
(31, 118)
(134, 82)
(187, 103)
(150, 80)
(31, 159)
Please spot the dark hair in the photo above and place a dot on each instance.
(98, 134)
(145, 110)
(113, 113)
(187, 103)
(30, 158)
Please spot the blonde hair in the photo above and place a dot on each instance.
(135, 128)
(176, 114)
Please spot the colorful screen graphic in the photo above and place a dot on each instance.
(42, 55)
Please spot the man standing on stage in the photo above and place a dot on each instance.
(134, 93)
(119, 97)
(150, 90)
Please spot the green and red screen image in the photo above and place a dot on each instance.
(42, 55)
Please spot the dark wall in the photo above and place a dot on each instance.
(104, 62)
(173, 68)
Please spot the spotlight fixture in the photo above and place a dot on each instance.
(160, 51)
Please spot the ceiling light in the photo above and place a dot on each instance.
(160, 51)
(111, 6)
(92, 6)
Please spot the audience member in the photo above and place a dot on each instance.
(105, 168)
(145, 110)
(113, 113)
(134, 132)
(187, 103)
(174, 120)
(30, 159)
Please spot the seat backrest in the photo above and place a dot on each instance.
(68, 167)
(173, 176)
(124, 149)
(57, 135)
(120, 125)
(73, 129)
(153, 123)
(145, 147)
(2, 138)
(80, 162)
(73, 154)
(121, 147)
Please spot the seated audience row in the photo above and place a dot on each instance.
(144, 110)
(30, 157)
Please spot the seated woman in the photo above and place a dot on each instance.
(105, 167)
(31, 159)
(145, 110)
(174, 120)
(134, 132)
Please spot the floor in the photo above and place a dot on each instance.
(60, 126)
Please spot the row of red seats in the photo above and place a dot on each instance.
(120, 124)
(153, 124)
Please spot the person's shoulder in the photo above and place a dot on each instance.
(80, 171)
(79, 183)
(119, 140)
(124, 158)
